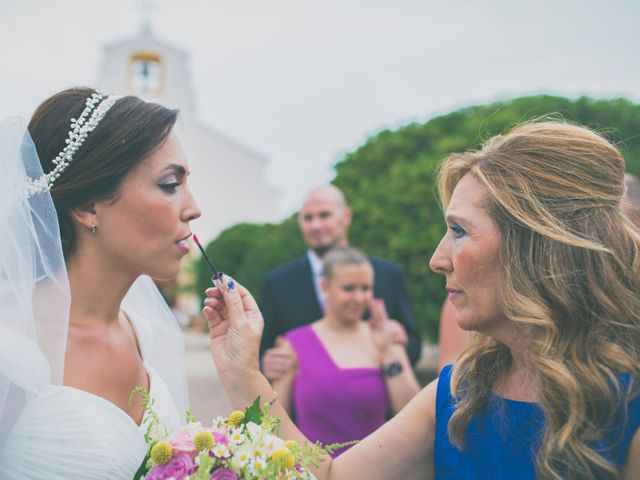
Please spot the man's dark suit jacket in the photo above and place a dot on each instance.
(289, 300)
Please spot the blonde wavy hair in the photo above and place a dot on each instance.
(569, 278)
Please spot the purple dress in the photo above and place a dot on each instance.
(334, 404)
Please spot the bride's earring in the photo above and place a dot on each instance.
(94, 227)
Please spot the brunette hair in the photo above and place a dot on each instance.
(131, 131)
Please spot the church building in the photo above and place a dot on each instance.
(227, 178)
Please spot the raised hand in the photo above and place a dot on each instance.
(235, 327)
(277, 361)
(397, 333)
(384, 331)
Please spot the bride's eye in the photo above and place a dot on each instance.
(169, 184)
(169, 187)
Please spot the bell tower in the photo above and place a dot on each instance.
(146, 73)
(149, 68)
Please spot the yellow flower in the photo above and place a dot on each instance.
(236, 417)
(161, 453)
(288, 460)
(291, 444)
(203, 441)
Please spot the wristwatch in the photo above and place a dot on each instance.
(392, 369)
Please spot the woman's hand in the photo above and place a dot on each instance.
(279, 361)
(384, 331)
(235, 328)
(390, 339)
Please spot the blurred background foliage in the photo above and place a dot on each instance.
(390, 185)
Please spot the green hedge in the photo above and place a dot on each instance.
(389, 183)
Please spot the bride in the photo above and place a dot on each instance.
(81, 323)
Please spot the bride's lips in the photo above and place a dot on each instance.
(183, 245)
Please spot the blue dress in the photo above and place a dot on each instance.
(502, 444)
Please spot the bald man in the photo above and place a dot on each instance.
(291, 294)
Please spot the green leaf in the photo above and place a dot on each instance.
(205, 465)
(253, 413)
(189, 416)
(337, 446)
(154, 427)
(143, 469)
(143, 393)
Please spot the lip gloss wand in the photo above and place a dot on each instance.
(217, 276)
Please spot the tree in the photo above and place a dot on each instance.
(390, 185)
(247, 251)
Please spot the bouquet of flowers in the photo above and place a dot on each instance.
(243, 445)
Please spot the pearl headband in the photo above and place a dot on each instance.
(97, 106)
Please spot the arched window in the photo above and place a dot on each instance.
(146, 73)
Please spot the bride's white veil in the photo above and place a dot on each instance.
(35, 297)
(159, 336)
(33, 280)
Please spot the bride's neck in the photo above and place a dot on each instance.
(97, 286)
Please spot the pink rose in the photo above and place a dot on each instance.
(180, 467)
(220, 438)
(224, 474)
(182, 442)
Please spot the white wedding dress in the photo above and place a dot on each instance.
(49, 431)
(65, 433)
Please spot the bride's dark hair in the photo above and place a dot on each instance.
(130, 131)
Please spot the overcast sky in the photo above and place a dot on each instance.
(305, 81)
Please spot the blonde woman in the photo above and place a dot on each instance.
(542, 264)
(348, 372)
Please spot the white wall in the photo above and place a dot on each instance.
(226, 179)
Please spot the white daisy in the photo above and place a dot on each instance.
(237, 436)
(220, 451)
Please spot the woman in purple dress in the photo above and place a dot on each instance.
(348, 372)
